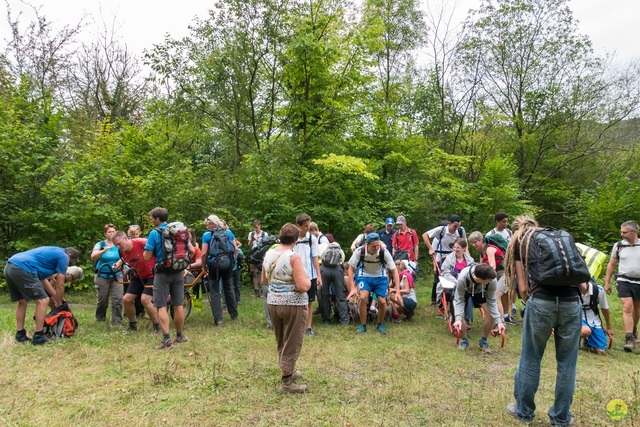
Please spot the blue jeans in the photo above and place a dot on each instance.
(541, 316)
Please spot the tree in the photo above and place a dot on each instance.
(545, 83)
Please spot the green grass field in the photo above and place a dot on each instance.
(228, 375)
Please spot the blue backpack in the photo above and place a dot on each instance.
(220, 256)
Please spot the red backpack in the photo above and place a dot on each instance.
(175, 246)
(60, 322)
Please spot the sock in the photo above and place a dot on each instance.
(178, 334)
(21, 332)
(166, 337)
(38, 333)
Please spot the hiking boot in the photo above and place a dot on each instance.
(290, 386)
(362, 329)
(156, 328)
(510, 321)
(39, 339)
(180, 339)
(572, 422)
(373, 309)
(464, 344)
(381, 329)
(396, 319)
(133, 326)
(629, 343)
(309, 332)
(410, 315)
(511, 410)
(21, 336)
(164, 345)
(484, 346)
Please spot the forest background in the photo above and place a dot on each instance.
(270, 108)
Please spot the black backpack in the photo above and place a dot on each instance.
(257, 252)
(220, 255)
(552, 259)
(593, 301)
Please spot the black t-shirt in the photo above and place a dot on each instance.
(552, 291)
(387, 238)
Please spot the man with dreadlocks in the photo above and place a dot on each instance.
(548, 309)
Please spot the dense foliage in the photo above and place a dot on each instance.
(274, 107)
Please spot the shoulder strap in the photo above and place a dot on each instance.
(460, 231)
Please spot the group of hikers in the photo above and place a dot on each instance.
(559, 292)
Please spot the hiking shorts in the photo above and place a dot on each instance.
(138, 286)
(478, 299)
(313, 290)
(168, 283)
(597, 339)
(23, 285)
(628, 290)
(378, 285)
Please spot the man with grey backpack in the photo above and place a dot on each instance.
(332, 275)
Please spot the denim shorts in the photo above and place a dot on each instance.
(409, 304)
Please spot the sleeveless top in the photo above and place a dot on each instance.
(279, 272)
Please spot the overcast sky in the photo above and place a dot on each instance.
(613, 26)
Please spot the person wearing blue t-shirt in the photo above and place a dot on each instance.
(220, 267)
(165, 282)
(27, 274)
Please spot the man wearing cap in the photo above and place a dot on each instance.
(368, 265)
(446, 236)
(405, 241)
(387, 232)
(27, 276)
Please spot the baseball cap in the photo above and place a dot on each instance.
(401, 220)
(389, 221)
(455, 218)
(373, 237)
(212, 218)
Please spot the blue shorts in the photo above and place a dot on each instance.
(379, 285)
(409, 304)
(597, 339)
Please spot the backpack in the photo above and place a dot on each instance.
(381, 259)
(402, 254)
(329, 237)
(175, 247)
(332, 256)
(60, 322)
(257, 252)
(593, 301)
(444, 227)
(500, 243)
(103, 269)
(553, 259)
(221, 250)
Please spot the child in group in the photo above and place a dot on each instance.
(594, 299)
(403, 298)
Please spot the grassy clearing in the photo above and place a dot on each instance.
(229, 375)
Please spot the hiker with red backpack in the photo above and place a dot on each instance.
(169, 244)
(492, 249)
(27, 276)
(219, 253)
(626, 256)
